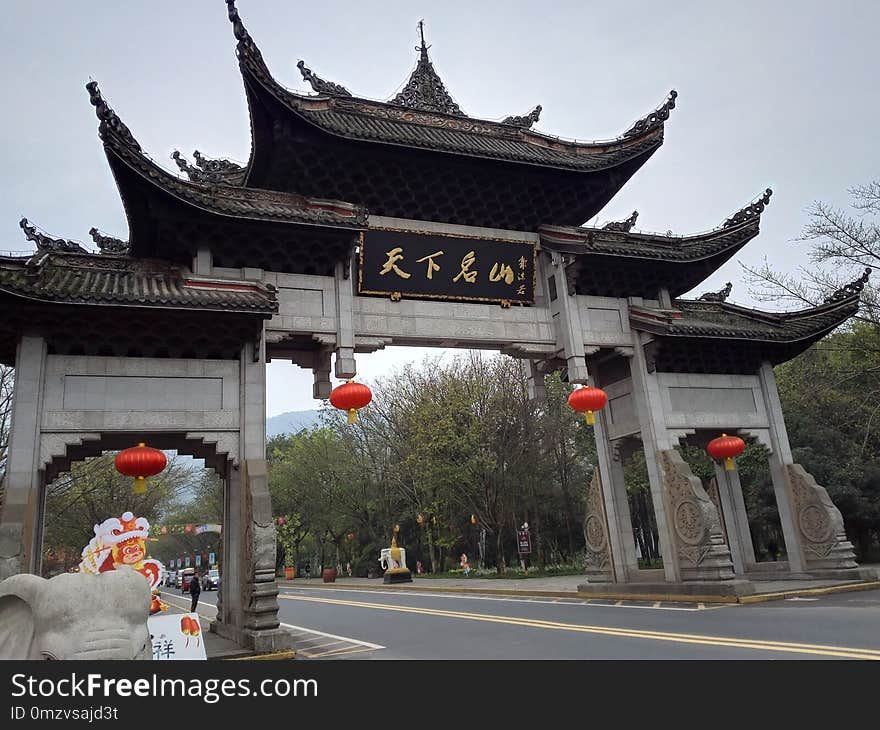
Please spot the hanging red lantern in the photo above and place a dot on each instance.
(280, 521)
(350, 397)
(726, 447)
(140, 462)
(587, 400)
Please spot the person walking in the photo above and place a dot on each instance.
(195, 590)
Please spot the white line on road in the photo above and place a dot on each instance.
(334, 636)
(512, 599)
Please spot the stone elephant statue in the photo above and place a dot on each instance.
(75, 616)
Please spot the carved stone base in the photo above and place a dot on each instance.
(597, 555)
(261, 642)
(820, 524)
(699, 543)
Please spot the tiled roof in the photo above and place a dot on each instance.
(447, 131)
(583, 241)
(102, 279)
(720, 320)
(222, 199)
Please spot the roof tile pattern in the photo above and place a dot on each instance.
(118, 280)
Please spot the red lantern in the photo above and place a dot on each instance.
(280, 521)
(726, 447)
(140, 462)
(349, 397)
(586, 400)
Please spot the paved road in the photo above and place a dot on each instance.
(364, 624)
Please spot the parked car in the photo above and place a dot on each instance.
(211, 581)
(186, 575)
(170, 578)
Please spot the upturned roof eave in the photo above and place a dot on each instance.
(617, 148)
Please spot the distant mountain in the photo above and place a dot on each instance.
(291, 422)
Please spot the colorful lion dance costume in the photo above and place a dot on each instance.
(122, 541)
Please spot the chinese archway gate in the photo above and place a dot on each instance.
(359, 224)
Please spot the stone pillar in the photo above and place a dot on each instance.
(733, 507)
(567, 320)
(811, 525)
(655, 439)
(534, 380)
(250, 606)
(780, 456)
(345, 364)
(321, 369)
(21, 515)
(610, 506)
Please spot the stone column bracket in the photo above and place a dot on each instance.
(819, 522)
(699, 539)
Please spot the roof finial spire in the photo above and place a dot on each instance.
(422, 48)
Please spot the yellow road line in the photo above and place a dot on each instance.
(754, 644)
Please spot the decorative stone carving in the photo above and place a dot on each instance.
(320, 85)
(752, 210)
(819, 522)
(47, 243)
(526, 121)
(110, 122)
(260, 591)
(208, 170)
(110, 245)
(699, 539)
(852, 289)
(654, 119)
(425, 90)
(624, 226)
(718, 296)
(597, 553)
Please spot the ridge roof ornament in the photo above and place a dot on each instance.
(624, 225)
(718, 296)
(108, 244)
(319, 85)
(48, 243)
(654, 119)
(752, 210)
(110, 122)
(853, 289)
(208, 170)
(526, 121)
(425, 90)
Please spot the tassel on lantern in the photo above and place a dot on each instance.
(728, 464)
(591, 419)
(352, 416)
(140, 485)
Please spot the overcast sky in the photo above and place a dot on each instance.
(778, 94)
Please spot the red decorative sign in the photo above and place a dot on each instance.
(523, 542)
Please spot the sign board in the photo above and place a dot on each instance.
(211, 560)
(198, 561)
(523, 542)
(176, 636)
(440, 266)
(187, 561)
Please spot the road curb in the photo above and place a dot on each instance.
(609, 595)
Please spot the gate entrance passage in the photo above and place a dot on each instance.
(359, 224)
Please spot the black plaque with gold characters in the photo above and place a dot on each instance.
(406, 264)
